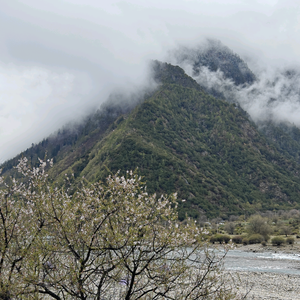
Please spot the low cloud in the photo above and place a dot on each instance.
(32, 100)
(60, 59)
(274, 95)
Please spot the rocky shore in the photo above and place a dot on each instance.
(268, 286)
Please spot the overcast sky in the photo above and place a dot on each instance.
(59, 59)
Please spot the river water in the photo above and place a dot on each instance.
(282, 263)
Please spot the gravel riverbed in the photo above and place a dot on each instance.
(268, 286)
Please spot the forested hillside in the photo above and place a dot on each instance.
(182, 140)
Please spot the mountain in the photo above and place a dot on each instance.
(183, 140)
(216, 56)
(224, 75)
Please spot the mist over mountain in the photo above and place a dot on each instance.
(182, 139)
(92, 48)
(216, 57)
(269, 93)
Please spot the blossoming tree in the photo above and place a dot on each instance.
(21, 222)
(105, 241)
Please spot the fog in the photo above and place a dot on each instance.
(273, 95)
(61, 59)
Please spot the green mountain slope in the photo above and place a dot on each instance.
(285, 138)
(217, 57)
(186, 141)
(183, 140)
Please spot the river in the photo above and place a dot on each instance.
(282, 263)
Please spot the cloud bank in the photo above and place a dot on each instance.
(271, 93)
(60, 59)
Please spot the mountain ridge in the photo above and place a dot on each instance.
(182, 140)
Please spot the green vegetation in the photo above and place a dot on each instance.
(186, 141)
(182, 140)
(255, 238)
(230, 227)
(284, 137)
(109, 240)
(290, 240)
(237, 239)
(258, 228)
(277, 240)
(245, 241)
(220, 238)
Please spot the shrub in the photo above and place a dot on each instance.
(285, 230)
(255, 238)
(229, 227)
(277, 240)
(245, 241)
(221, 238)
(212, 239)
(237, 239)
(258, 224)
(290, 240)
(226, 238)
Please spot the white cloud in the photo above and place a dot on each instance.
(33, 100)
(59, 56)
(275, 95)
